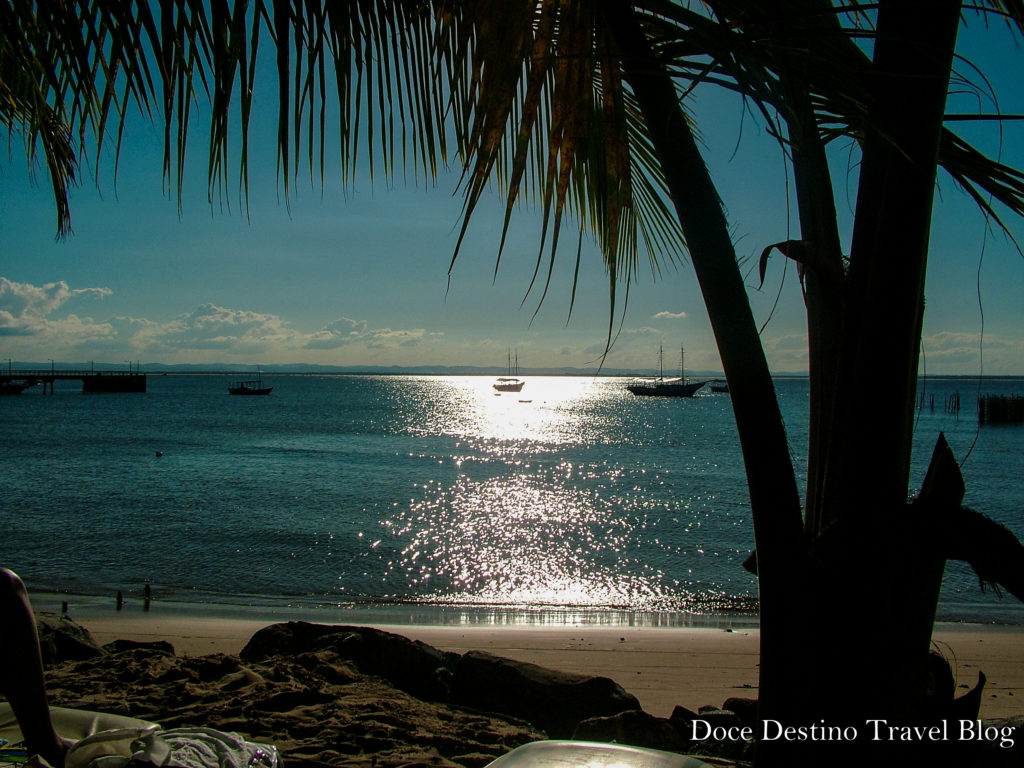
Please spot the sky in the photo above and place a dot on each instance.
(359, 276)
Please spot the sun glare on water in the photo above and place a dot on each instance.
(520, 525)
(548, 409)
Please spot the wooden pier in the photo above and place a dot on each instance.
(1000, 409)
(14, 382)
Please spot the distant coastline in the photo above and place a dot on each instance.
(309, 369)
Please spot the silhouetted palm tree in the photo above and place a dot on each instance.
(581, 105)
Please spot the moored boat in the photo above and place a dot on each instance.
(662, 387)
(512, 382)
(250, 386)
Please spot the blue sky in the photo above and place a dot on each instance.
(360, 276)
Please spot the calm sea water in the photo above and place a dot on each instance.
(570, 498)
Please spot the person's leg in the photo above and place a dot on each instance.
(21, 671)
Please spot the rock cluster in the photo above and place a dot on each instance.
(554, 702)
(355, 696)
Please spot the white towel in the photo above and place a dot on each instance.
(202, 748)
(172, 748)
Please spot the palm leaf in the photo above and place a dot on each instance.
(528, 90)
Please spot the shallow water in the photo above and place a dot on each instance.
(570, 496)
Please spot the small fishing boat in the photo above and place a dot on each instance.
(250, 387)
(662, 387)
(512, 382)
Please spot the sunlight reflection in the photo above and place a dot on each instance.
(513, 540)
(549, 408)
(536, 500)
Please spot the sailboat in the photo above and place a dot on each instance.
(250, 387)
(662, 387)
(512, 382)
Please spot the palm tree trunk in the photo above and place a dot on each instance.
(872, 557)
(911, 71)
(774, 498)
(822, 284)
(881, 333)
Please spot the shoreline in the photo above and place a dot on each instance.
(393, 613)
(662, 664)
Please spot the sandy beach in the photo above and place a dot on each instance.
(662, 667)
(363, 695)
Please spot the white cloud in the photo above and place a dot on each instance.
(955, 352)
(24, 307)
(787, 354)
(211, 327)
(11, 325)
(946, 341)
(949, 352)
(669, 316)
(75, 330)
(339, 333)
(386, 338)
(31, 315)
(345, 332)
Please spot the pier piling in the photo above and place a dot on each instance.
(1000, 409)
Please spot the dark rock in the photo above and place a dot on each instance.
(354, 721)
(155, 646)
(287, 638)
(715, 718)
(552, 701)
(745, 709)
(992, 743)
(682, 713)
(61, 639)
(215, 667)
(473, 760)
(410, 665)
(734, 714)
(289, 701)
(941, 683)
(719, 718)
(967, 706)
(636, 728)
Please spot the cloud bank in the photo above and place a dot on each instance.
(38, 322)
(25, 309)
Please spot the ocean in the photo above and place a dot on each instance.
(429, 498)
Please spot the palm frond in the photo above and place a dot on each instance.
(755, 48)
(526, 91)
(542, 114)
